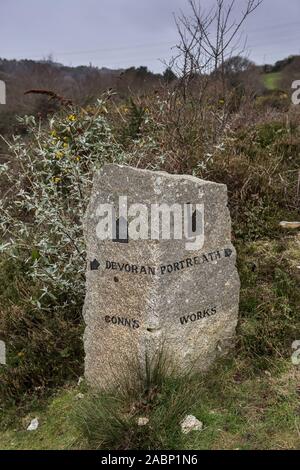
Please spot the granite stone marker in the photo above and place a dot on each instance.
(157, 291)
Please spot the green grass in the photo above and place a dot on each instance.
(249, 400)
(239, 409)
(56, 429)
(249, 412)
(272, 80)
(270, 298)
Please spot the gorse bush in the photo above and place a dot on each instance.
(43, 253)
(136, 115)
(43, 209)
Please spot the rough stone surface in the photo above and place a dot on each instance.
(191, 423)
(142, 421)
(79, 396)
(289, 225)
(34, 424)
(138, 300)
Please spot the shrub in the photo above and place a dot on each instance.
(44, 344)
(44, 255)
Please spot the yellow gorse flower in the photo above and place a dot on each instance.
(56, 179)
(72, 117)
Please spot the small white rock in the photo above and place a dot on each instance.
(79, 396)
(143, 421)
(80, 380)
(290, 225)
(33, 425)
(191, 423)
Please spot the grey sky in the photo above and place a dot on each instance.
(122, 33)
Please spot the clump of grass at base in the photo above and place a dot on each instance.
(239, 409)
(110, 420)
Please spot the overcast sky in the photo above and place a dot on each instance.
(123, 33)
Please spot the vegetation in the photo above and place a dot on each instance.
(40, 276)
(239, 409)
(219, 124)
(272, 80)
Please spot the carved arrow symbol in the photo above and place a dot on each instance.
(228, 252)
(94, 265)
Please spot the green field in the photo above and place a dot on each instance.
(272, 80)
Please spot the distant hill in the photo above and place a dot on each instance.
(82, 85)
(74, 83)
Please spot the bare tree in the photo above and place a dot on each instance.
(207, 40)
